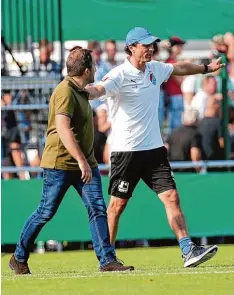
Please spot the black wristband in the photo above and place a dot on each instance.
(206, 69)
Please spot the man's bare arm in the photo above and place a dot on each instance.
(95, 91)
(221, 142)
(187, 68)
(67, 137)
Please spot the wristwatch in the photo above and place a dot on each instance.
(206, 69)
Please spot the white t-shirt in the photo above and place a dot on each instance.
(189, 84)
(133, 99)
(199, 102)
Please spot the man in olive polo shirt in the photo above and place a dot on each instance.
(68, 160)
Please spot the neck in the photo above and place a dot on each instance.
(173, 55)
(80, 81)
(111, 61)
(137, 63)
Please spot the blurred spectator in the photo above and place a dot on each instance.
(184, 143)
(192, 84)
(101, 66)
(210, 130)
(199, 101)
(104, 126)
(45, 65)
(99, 140)
(111, 50)
(189, 89)
(225, 44)
(23, 117)
(11, 141)
(174, 46)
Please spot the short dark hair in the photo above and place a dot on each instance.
(75, 47)
(93, 45)
(79, 59)
(43, 43)
(127, 50)
(156, 49)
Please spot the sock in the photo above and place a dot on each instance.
(185, 245)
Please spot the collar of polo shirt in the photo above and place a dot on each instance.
(130, 67)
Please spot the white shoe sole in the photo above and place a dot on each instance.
(193, 262)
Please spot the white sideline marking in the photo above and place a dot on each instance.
(54, 276)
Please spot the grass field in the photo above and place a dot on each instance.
(158, 271)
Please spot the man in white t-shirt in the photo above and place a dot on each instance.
(132, 93)
(199, 101)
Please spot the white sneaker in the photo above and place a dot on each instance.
(198, 255)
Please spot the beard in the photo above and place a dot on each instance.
(90, 79)
(148, 57)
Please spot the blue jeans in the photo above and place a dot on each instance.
(55, 185)
(176, 109)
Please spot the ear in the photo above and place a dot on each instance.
(86, 72)
(131, 48)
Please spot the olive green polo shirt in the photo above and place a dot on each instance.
(72, 101)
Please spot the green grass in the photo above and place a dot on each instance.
(158, 271)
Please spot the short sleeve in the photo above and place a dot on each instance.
(64, 103)
(162, 71)
(188, 85)
(112, 83)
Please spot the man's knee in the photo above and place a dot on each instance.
(96, 207)
(45, 214)
(116, 206)
(170, 198)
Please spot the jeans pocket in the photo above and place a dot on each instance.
(53, 175)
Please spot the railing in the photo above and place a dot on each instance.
(25, 107)
(175, 165)
(29, 83)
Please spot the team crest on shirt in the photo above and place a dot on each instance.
(123, 186)
(152, 78)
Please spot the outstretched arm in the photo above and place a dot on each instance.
(95, 91)
(187, 68)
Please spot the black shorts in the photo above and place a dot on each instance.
(12, 135)
(127, 168)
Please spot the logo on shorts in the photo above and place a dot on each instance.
(123, 186)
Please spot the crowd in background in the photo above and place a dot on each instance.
(190, 112)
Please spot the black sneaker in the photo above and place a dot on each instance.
(116, 266)
(198, 255)
(20, 268)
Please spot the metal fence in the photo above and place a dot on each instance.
(24, 120)
(204, 165)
